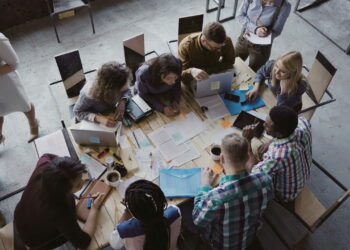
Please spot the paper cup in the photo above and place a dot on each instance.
(215, 152)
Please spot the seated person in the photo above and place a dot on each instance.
(45, 217)
(287, 158)
(158, 83)
(205, 53)
(110, 88)
(229, 214)
(284, 78)
(154, 225)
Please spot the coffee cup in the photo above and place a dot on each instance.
(113, 178)
(215, 152)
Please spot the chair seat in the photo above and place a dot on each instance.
(66, 5)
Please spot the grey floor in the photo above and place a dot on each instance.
(36, 46)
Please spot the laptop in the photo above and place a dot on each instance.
(215, 84)
(89, 137)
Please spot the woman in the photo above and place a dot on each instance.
(154, 226)
(284, 78)
(45, 216)
(110, 88)
(12, 95)
(158, 83)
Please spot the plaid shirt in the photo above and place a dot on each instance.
(288, 161)
(230, 213)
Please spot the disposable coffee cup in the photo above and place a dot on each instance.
(215, 152)
(109, 162)
(113, 178)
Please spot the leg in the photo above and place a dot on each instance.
(258, 56)
(241, 48)
(33, 123)
(1, 123)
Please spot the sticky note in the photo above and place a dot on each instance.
(144, 144)
(94, 139)
(177, 136)
(215, 85)
(217, 169)
(225, 123)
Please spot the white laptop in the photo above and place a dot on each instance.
(215, 84)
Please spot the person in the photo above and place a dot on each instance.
(159, 79)
(205, 53)
(229, 215)
(260, 17)
(154, 225)
(45, 216)
(288, 157)
(13, 97)
(284, 78)
(110, 88)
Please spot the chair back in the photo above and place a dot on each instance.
(189, 25)
(134, 52)
(72, 73)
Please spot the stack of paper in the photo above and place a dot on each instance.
(213, 107)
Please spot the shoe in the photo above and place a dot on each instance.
(2, 139)
(34, 131)
(2, 220)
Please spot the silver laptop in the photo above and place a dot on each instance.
(94, 137)
(215, 84)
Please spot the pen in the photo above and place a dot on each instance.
(138, 145)
(89, 201)
(86, 197)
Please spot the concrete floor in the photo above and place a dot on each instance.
(115, 21)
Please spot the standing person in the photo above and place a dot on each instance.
(260, 17)
(12, 94)
(154, 225)
(230, 214)
(284, 78)
(210, 51)
(158, 83)
(45, 217)
(109, 92)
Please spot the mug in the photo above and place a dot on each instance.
(215, 152)
(113, 178)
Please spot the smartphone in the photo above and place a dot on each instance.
(230, 97)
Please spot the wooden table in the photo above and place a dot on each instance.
(112, 209)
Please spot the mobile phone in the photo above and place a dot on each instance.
(230, 97)
(245, 102)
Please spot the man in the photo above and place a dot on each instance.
(230, 213)
(287, 158)
(260, 17)
(205, 53)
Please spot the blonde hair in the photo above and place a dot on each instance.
(293, 62)
(235, 148)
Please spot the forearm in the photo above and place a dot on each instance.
(252, 159)
(90, 224)
(5, 69)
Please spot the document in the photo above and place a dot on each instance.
(170, 150)
(53, 144)
(139, 139)
(187, 156)
(125, 184)
(213, 107)
(149, 164)
(255, 39)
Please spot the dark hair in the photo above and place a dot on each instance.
(146, 202)
(58, 177)
(163, 65)
(284, 119)
(215, 32)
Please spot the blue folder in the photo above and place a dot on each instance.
(236, 107)
(177, 182)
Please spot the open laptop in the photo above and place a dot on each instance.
(94, 137)
(215, 84)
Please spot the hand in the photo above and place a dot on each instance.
(175, 106)
(207, 176)
(105, 121)
(251, 95)
(119, 113)
(249, 131)
(169, 111)
(97, 202)
(261, 31)
(199, 74)
(284, 84)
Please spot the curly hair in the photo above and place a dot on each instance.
(111, 77)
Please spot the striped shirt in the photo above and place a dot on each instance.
(288, 161)
(230, 213)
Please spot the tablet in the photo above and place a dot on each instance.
(244, 119)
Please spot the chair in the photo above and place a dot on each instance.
(58, 7)
(73, 78)
(319, 77)
(307, 209)
(134, 53)
(187, 26)
(221, 4)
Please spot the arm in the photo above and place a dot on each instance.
(175, 92)
(9, 56)
(184, 57)
(204, 210)
(244, 19)
(264, 72)
(281, 20)
(82, 107)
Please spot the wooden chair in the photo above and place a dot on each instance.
(134, 52)
(6, 237)
(220, 4)
(319, 77)
(187, 26)
(58, 7)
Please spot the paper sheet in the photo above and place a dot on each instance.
(139, 139)
(53, 143)
(189, 155)
(217, 138)
(149, 164)
(125, 184)
(214, 107)
(170, 150)
(255, 39)
(94, 168)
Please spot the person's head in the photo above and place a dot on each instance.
(213, 36)
(281, 122)
(61, 177)
(165, 69)
(234, 151)
(288, 66)
(112, 77)
(146, 202)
